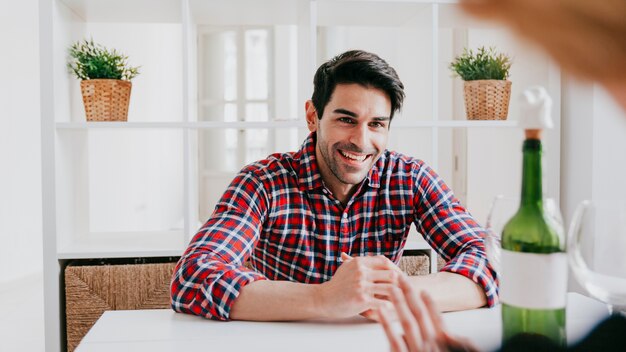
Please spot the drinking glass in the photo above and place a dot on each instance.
(597, 251)
(502, 210)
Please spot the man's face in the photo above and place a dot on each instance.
(351, 135)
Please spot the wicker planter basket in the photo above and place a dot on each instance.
(487, 99)
(106, 99)
(92, 290)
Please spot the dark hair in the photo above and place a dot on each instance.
(360, 67)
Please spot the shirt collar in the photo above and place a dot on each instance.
(309, 176)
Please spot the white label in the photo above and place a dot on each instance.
(535, 281)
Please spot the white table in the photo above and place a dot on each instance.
(165, 330)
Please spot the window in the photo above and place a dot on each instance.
(235, 85)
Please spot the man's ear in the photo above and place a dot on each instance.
(311, 116)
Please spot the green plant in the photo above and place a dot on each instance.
(482, 64)
(93, 61)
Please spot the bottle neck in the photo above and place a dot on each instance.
(532, 192)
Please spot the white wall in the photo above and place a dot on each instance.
(577, 144)
(594, 140)
(20, 155)
(609, 145)
(592, 163)
(608, 175)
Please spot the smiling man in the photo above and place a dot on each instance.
(324, 226)
(351, 137)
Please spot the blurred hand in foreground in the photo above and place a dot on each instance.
(422, 325)
(585, 37)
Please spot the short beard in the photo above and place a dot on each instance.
(334, 166)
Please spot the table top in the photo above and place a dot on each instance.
(165, 330)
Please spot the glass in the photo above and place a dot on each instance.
(597, 251)
(501, 211)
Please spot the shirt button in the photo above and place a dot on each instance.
(345, 215)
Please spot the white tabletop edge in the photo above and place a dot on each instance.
(166, 330)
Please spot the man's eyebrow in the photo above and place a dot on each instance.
(345, 112)
(352, 114)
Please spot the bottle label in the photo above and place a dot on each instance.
(533, 280)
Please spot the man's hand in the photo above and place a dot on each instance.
(372, 314)
(359, 285)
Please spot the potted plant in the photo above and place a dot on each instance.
(486, 89)
(105, 80)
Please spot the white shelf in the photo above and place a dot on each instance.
(125, 245)
(246, 12)
(372, 13)
(416, 13)
(400, 123)
(181, 125)
(450, 16)
(452, 124)
(117, 125)
(119, 11)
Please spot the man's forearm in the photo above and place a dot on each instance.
(268, 300)
(451, 291)
(356, 287)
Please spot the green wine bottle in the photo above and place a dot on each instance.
(534, 266)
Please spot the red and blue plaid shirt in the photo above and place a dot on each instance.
(278, 214)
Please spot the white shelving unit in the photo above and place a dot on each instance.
(271, 124)
(86, 162)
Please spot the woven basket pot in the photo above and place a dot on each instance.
(487, 99)
(106, 99)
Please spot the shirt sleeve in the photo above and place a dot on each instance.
(450, 229)
(210, 274)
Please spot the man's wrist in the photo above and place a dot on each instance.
(319, 302)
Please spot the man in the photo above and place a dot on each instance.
(323, 226)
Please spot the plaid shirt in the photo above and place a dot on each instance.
(278, 214)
